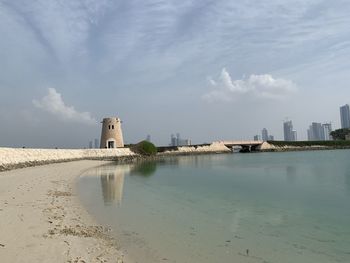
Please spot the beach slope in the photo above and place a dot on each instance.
(41, 219)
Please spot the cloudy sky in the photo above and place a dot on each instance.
(208, 69)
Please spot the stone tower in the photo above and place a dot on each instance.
(111, 135)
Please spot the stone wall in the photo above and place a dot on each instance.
(267, 147)
(11, 158)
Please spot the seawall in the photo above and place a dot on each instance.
(215, 147)
(269, 147)
(12, 158)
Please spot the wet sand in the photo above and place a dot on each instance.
(42, 220)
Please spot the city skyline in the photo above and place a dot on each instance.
(212, 70)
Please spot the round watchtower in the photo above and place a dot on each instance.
(111, 135)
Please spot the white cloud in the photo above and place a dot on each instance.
(54, 104)
(257, 86)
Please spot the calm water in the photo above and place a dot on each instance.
(282, 207)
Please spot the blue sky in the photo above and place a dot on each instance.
(208, 69)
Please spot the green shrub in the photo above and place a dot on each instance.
(340, 134)
(145, 148)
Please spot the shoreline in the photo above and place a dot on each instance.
(18, 158)
(42, 217)
(15, 158)
(270, 147)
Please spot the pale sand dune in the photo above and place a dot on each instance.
(41, 219)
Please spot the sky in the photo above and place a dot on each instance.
(207, 69)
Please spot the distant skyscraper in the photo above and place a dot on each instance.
(319, 132)
(90, 144)
(256, 137)
(327, 129)
(173, 141)
(265, 135)
(178, 138)
(148, 138)
(316, 132)
(345, 116)
(271, 138)
(289, 133)
(177, 141)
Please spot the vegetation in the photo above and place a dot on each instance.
(335, 143)
(144, 148)
(340, 134)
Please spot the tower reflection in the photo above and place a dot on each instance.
(112, 182)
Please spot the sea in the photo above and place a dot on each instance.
(252, 207)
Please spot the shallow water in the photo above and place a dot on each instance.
(264, 207)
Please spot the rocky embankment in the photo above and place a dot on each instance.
(268, 147)
(11, 158)
(215, 147)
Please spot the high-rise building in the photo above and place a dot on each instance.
(264, 135)
(178, 138)
(173, 141)
(319, 132)
(315, 132)
(90, 144)
(289, 133)
(345, 116)
(327, 129)
(271, 138)
(177, 141)
(256, 137)
(148, 138)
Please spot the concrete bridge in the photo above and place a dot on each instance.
(246, 146)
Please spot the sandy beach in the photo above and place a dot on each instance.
(42, 220)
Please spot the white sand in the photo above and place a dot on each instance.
(41, 219)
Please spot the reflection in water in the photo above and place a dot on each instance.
(148, 168)
(112, 182)
(205, 208)
(199, 160)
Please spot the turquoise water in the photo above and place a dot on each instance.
(263, 207)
